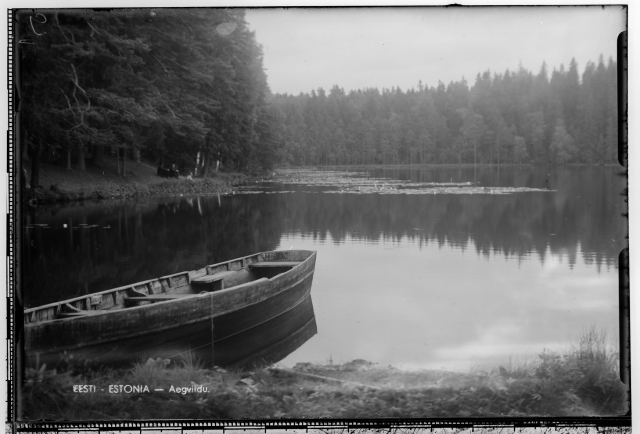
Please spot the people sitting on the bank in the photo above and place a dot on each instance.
(168, 172)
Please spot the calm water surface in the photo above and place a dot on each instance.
(415, 281)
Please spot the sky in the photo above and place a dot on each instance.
(357, 48)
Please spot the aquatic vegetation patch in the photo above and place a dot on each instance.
(437, 189)
(340, 182)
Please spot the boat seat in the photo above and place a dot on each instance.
(211, 282)
(270, 264)
(154, 298)
(209, 278)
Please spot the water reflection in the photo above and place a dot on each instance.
(107, 245)
(267, 343)
(433, 307)
(134, 241)
(414, 281)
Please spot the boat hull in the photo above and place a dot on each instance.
(168, 329)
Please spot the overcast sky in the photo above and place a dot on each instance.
(385, 47)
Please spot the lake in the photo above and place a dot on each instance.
(417, 268)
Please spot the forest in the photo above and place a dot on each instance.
(173, 86)
(510, 118)
(188, 87)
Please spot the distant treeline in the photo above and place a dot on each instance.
(175, 86)
(515, 117)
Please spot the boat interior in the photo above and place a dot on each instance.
(175, 286)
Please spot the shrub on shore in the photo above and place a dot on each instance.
(588, 372)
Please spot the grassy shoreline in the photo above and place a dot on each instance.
(581, 382)
(57, 184)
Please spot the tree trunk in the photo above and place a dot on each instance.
(204, 163)
(136, 155)
(118, 161)
(98, 152)
(68, 159)
(474, 152)
(80, 160)
(435, 146)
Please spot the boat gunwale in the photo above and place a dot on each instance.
(144, 282)
(147, 306)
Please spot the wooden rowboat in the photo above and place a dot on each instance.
(170, 315)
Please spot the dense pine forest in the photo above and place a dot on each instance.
(514, 117)
(187, 87)
(176, 86)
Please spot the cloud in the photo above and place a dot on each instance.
(387, 47)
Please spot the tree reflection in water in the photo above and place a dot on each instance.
(116, 243)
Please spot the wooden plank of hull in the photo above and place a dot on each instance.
(120, 336)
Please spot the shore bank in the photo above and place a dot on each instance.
(555, 386)
(58, 184)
